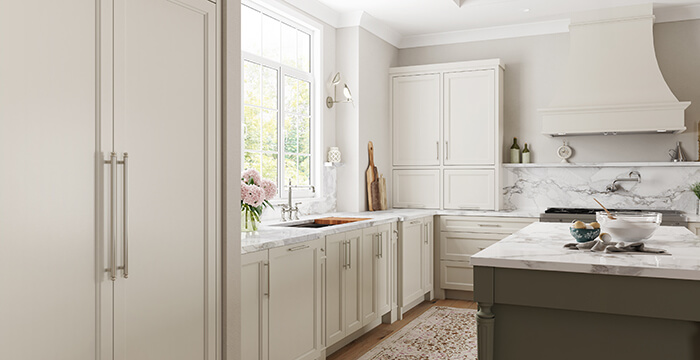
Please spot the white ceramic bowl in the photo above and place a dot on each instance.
(629, 226)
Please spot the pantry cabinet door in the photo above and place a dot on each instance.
(412, 261)
(165, 118)
(470, 118)
(353, 282)
(470, 189)
(428, 255)
(51, 282)
(416, 119)
(384, 269)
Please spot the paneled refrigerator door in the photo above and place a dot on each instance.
(165, 118)
(50, 273)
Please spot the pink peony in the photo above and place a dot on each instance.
(270, 189)
(254, 195)
(251, 174)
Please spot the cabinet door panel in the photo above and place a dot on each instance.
(461, 246)
(384, 271)
(165, 117)
(335, 288)
(49, 277)
(295, 286)
(470, 189)
(470, 120)
(418, 189)
(456, 275)
(254, 296)
(353, 289)
(428, 255)
(412, 259)
(368, 261)
(416, 119)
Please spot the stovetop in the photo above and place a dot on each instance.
(557, 214)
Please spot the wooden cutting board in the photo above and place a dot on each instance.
(382, 192)
(372, 184)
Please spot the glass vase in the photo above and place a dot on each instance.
(248, 223)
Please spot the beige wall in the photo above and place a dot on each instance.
(364, 60)
(533, 65)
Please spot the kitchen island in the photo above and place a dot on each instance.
(538, 300)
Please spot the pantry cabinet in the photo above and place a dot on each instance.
(415, 262)
(110, 181)
(447, 121)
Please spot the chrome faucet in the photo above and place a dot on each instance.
(287, 208)
(633, 176)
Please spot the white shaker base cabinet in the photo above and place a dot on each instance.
(415, 262)
(343, 289)
(255, 291)
(117, 260)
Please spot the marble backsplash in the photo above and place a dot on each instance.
(326, 203)
(662, 187)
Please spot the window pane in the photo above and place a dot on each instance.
(251, 128)
(304, 135)
(304, 97)
(289, 45)
(271, 38)
(304, 51)
(290, 134)
(251, 161)
(303, 171)
(250, 30)
(290, 169)
(269, 167)
(269, 130)
(291, 94)
(251, 83)
(269, 88)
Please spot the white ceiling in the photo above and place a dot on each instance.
(420, 17)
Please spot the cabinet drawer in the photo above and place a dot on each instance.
(418, 189)
(495, 225)
(461, 246)
(456, 275)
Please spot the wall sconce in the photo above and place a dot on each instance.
(346, 92)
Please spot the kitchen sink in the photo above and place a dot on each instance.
(322, 222)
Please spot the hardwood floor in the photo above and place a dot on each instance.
(367, 341)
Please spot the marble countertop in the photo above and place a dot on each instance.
(271, 235)
(539, 246)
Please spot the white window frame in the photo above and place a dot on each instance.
(287, 15)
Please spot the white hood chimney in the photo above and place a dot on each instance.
(613, 84)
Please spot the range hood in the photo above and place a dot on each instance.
(613, 84)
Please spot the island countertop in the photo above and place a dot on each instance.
(540, 246)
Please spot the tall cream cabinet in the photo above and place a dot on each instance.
(282, 297)
(447, 122)
(111, 180)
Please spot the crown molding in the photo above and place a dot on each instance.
(491, 33)
(317, 10)
(677, 13)
(371, 24)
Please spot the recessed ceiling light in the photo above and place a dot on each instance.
(526, 10)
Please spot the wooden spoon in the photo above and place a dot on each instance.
(606, 210)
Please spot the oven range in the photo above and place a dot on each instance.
(567, 215)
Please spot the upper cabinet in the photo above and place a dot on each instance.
(447, 118)
(469, 118)
(416, 119)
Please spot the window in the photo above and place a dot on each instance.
(278, 80)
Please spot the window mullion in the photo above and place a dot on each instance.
(280, 130)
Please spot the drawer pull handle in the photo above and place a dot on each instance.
(489, 225)
(301, 247)
(415, 222)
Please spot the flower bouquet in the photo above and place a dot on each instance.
(256, 194)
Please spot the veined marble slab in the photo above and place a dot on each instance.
(540, 246)
(271, 234)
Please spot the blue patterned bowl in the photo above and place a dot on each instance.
(584, 235)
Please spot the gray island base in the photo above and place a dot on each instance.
(540, 301)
